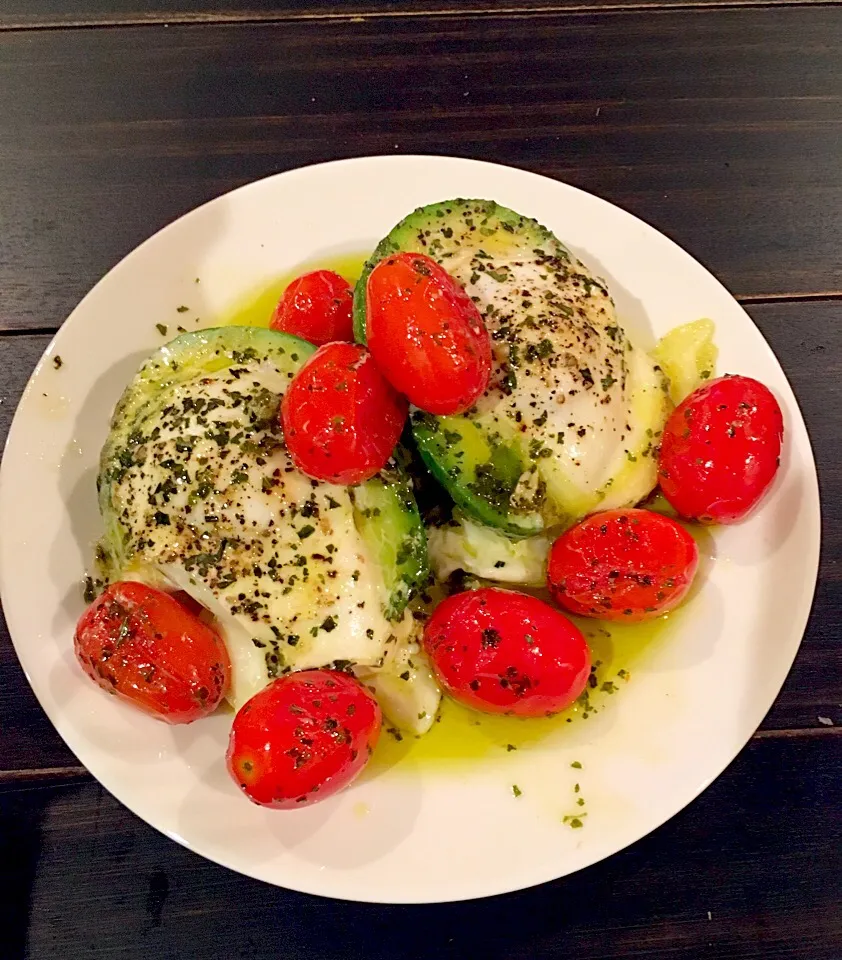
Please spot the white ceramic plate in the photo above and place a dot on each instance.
(412, 833)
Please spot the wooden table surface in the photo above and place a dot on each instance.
(719, 123)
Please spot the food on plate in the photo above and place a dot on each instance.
(507, 652)
(626, 565)
(721, 450)
(340, 417)
(302, 738)
(426, 334)
(314, 529)
(568, 422)
(687, 355)
(316, 307)
(199, 494)
(464, 544)
(145, 647)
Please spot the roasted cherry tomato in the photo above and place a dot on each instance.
(316, 307)
(145, 647)
(506, 652)
(426, 334)
(626, 565)
(304, 737)
(341, 419)
(720, 450)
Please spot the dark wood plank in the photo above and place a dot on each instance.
(19, 14)
(808, 339)
(749, 871)
(721, 128)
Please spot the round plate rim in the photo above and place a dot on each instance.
(495, 889)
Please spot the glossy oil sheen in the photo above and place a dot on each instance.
(463, 735)
(257, 307)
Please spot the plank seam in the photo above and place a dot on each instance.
(551, 10)
(830, 296)
(28, 331)
(34, 774)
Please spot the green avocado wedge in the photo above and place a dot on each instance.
(567, 423)
(385, 512)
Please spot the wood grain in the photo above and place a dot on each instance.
(807, 338)
(750, 870)
(720, 128)
(19, 14)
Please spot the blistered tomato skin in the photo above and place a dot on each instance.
(426, 334)
(150, 650)
(506, 652)
(622, 565)
(316, 307)
(341, 419)
(720, 450)
(303, 738)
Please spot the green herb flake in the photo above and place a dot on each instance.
(89, 592)
(161, 328)
(576, 765)
(516, 790)
(307, 530)
(182, 308)
(57, 362)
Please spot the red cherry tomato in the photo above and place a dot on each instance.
(304, 737)
(341, 419)
(316, 307)
(626, 565)
(505, 652)
(426, 334)
(720, 450)
(145, 647)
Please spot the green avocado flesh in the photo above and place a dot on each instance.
(195, 455)
(573, 409)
